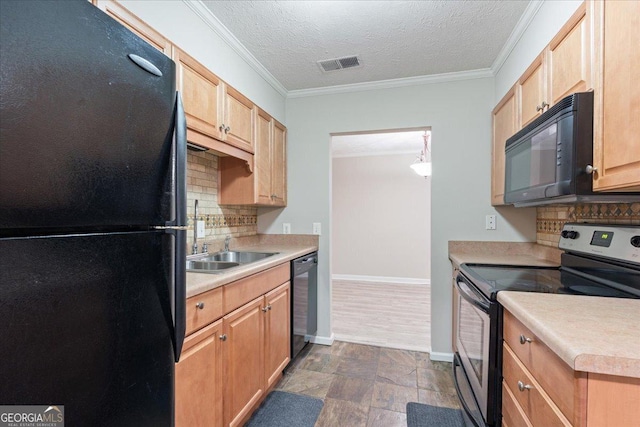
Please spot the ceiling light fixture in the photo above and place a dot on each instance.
(422, 165)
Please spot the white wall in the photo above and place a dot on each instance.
(380, 217)
(459, 116)
(177, 22)
(548, 20)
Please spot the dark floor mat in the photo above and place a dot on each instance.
(282, 409)
(420, 415)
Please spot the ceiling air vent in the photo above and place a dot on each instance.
(339, 63)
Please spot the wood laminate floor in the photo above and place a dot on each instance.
(392, 315)
(368, 386)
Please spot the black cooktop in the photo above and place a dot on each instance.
(490, 279)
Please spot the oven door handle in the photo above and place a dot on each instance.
(470, 294)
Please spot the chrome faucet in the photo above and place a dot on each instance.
(226, 243)
(194, 248)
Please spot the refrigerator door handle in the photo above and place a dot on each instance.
(180, 253)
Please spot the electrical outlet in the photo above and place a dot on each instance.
(286, 228)
(200, 229)
(490, 222)
(317, 228)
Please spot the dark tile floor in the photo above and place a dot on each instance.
(368, 386)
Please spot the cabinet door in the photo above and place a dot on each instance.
(239, 120)
(136, 25)
(569, 58)
(279, 165)
(277, 333)
(616, 146)
(263, 158)
(201, 91)
(243, 360)
(198, 379)
(532, 91)
(504, 126)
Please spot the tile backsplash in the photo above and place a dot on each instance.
(551, 219)
(220, 221)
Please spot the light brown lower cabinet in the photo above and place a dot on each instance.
(198, 388)
(277, 333)
(228, 366)
(243, 360)
(539, 389)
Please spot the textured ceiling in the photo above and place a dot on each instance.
(393, 39)
(373, 144)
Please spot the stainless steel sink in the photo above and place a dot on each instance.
(239, 257)
(209, 266)
(221, 261)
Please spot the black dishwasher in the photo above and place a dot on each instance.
(304, 301)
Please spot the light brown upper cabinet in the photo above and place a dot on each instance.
(562, 68)
(532, 90)
(218, 117)
(568, 58)
(135, 24)
(267, 185)
(201, 96)
(239, 118)
(279, 165)
(505, 124)
(616, 143)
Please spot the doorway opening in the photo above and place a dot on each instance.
(381, 238)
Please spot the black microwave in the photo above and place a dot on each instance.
(551, 159)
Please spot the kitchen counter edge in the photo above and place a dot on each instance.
(591, 334)
(198, 283)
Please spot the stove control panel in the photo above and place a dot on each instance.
(621, 242)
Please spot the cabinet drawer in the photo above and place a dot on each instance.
(244, 290)
(555, 376)
(512, 413)
(535, 403)
(203, 309)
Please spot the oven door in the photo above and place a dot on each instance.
(473, 339)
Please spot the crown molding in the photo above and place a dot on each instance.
(521, 26)
(392, 83)
(204, 13)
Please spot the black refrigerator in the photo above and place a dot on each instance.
(92, 217)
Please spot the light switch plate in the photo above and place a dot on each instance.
(286, 228)
(317, 228)
(200, 229)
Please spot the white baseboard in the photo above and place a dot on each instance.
(441, 357)
(322, 340)
(382, 279)
(374, 342)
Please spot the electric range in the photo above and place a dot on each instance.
(598, 260)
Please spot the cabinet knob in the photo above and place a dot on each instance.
(522, 386)
(227, 129)
(223, 337)
(542, 106)
(524, 340)
(222, 127)
(267, 308)
(590, 169)
(200, 305)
